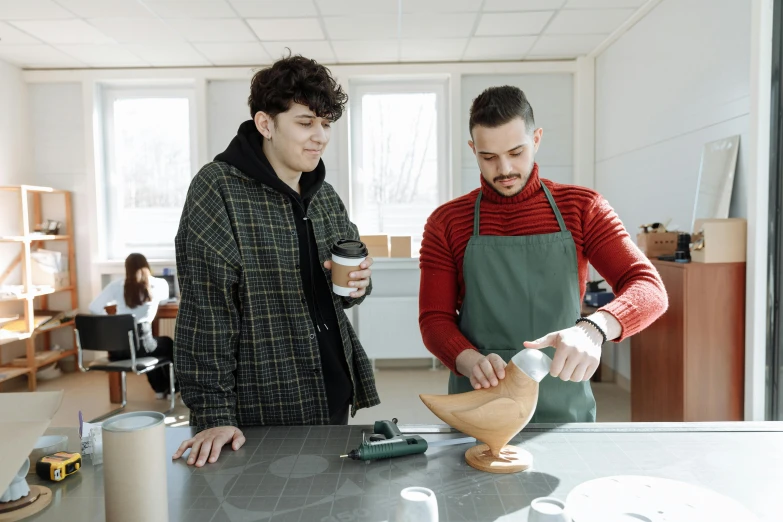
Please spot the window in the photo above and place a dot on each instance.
(150, 159)
(399, 157)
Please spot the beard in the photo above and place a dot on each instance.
(505, 194)
(515, 175)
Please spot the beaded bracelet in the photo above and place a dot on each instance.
(591, 322)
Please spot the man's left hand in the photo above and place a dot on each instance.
(359, 279)
(577, 352)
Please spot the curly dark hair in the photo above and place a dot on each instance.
(497, 106)
(296, 79)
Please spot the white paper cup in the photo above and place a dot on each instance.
(347, 256)
(417, 505)
(548, 509)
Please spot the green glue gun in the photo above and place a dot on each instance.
(394, 445)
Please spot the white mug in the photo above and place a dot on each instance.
(548, 509)
(417, 505)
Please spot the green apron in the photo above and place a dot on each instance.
(520, 288)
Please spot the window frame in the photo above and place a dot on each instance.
(440, 86)
(111, 195)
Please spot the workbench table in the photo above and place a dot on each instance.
(296, 474)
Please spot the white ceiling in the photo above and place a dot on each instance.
(172, 33)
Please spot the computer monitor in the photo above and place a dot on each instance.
(171, 279)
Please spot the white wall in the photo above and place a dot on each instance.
(552, 99)
(14, 138)
(14, 170)
(58, 144)
(678, 79)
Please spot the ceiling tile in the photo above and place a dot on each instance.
(432, 50)
(438, 25)
(11, 35)
(172, 55)
(192, 9)
(135, 30)
(366, 51)
(522, 5)
(106, 8)
(272, 29)
(602, 21)
(37, 56)
(63, 31)
(319, 51)
(215, 30)
(356, 7)
(113, 55)
(566, 46)
(602, 4)
(234, 53)
(513, 24)
(441, 6)
(32, 10)
(498, 47)
(274, 8)
(361, 27)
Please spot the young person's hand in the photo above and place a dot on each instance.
(208, 443)
(359, 280)
(484, 371)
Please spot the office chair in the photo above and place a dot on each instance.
(116, 333)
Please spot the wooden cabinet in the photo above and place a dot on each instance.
(690, 364)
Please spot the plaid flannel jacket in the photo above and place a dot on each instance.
(245, 349)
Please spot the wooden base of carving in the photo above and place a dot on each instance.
(39, 498)
(512, 459)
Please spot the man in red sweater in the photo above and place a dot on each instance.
(513, 258)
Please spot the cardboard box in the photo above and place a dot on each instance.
(725, 240)
(401, 246)
(656, 244)
(23, 418)
(49, 268)
(377, 245)
(41, 276)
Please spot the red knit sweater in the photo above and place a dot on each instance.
(600, 238)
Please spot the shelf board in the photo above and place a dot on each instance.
(43, 329)
(43, 358)
(37, 294)
(54, 357)
(9, 340)
(11, 372)
(32, 238)
(32, 188)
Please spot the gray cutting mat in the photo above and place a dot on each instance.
(295, 474)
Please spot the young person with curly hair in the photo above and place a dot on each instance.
(261, 339)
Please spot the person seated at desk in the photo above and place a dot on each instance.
(139, 295)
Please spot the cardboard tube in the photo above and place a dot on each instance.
(134, 468)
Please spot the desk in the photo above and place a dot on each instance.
(165, 311)
(260, 482)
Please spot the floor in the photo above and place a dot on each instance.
(398, 388)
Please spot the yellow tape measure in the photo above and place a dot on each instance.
(58, 466)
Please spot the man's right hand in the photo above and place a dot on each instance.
(208, 443)
(484, 371)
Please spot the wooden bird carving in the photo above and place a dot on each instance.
(495, 415)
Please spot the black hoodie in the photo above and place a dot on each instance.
(245, 153)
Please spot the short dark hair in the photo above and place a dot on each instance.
(497, 106)
(296, 79)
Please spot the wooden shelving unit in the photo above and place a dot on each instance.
(36, 301)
